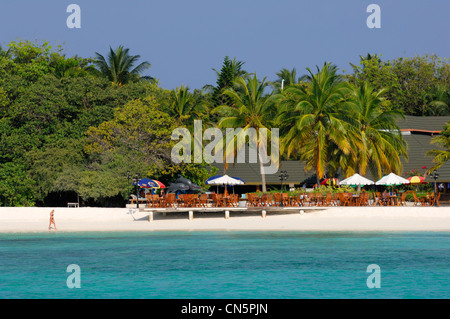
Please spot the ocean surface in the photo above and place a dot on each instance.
(219, 265)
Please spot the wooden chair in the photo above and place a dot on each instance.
(285, 199)
(363, 199)
(270, 200)
(437, 199)
(169, 201)
(301, 199)
(307, 200)
(203, 201)
(265, 200)
(186, 200)
(234, 200)
(377, 199)
(402, 199)
(253, 200)
(295, 201)
(385, 199)
(327, 200)
(418, 201)
(217, 200)
(343, 199)
(281, 199)
(153, 200)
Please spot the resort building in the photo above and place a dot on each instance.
(417, 132)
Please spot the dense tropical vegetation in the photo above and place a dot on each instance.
(73, 126)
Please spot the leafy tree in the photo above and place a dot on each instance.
(137, 139)
(412, 83)
(52, 163)
(15, 185)
(231, 70)
(119, 66)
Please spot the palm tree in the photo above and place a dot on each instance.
(249, 109)
(186, 106)
(285, 78)
(119, 68)
(441, 100)
(314, 119)
(378, 143)
(441, 156)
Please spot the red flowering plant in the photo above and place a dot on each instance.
(414, 172)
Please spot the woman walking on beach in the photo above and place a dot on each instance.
(52, 220)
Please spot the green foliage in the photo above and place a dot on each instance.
(250, 109)
(15, 185)
(313, 119)
(137, 139)
(230, 71)
(442, 154)
(49, 165)
(65, 128)
(414, 84)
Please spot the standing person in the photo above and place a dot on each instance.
(52, 220)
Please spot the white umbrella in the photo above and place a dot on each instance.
(225, 180)
(392, 179)
(356, 180)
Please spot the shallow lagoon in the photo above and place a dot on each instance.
(274, 265)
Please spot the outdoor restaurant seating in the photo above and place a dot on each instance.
(312, 199)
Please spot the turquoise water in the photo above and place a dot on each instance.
(274, 265)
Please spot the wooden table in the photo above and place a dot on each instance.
(393, 200)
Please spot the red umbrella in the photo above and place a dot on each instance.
(416, 179)
(330, 181)
(161, 185)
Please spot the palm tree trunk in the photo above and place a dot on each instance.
(263, 175)
(359, 186)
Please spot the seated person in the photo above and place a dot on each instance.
(385, 198)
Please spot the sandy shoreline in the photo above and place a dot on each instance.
(332, 219)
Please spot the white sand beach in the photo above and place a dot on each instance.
(330, 219)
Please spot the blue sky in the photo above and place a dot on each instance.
(184, 40)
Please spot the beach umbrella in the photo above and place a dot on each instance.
(330, 181)
(150, 183)
(391, 180)
(416, 179)
(356, 179)
(225, 180)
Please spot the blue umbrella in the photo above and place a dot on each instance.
(147, 183)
